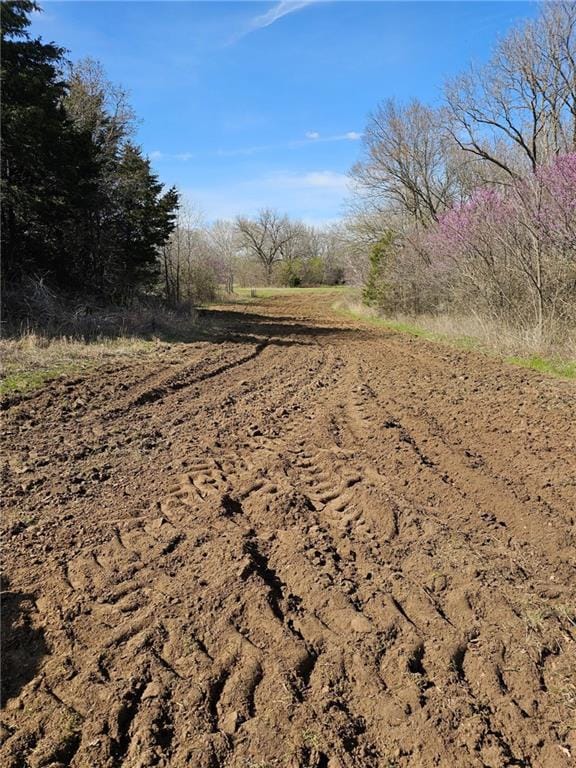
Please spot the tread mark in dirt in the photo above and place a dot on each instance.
(326, 556)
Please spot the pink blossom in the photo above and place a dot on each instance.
(543, 204)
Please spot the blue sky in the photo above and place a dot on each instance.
(251, 104)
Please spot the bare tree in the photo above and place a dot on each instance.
(99, 106)
(183, 256)
(556, 44)
(351, 241)
(519, 111)
(409, 163)
(267, 237)
(328, 250)
(297, 244)
(223, 239)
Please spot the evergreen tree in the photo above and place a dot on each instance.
(44, 161)
(144, 218)
(81, 205)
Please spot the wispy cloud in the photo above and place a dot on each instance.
(183, 156)
(310, 137)
(317, 137)
(39, 15)
(278, 12)
(274, 14)
(311, 180)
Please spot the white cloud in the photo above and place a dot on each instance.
(280, 10)
(158, 155)
(312, 180)
(326, 180)
(348, 136)
(313, 196)
(316, 136)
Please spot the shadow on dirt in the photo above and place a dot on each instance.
(220, 325)
(202, 324)
(23, 645)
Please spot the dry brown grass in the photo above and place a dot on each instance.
(503, 339)
(554, 352)
(31, 359)
(45, 334)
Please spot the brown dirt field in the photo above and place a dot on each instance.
(308, 543)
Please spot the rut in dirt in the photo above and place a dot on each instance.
(304, 544)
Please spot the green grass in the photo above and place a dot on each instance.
(24, 381)
(464, 342)
(564, 369)
(393, 325)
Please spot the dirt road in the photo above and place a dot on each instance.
(307, 543)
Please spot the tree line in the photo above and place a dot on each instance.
(81, 206)
(469, 206)
(268, 248)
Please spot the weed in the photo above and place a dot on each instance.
(32, 360)
(311, 739)
(566, 613)
(73, 723)
(23, 381)
(536, 616)
(568, 695)
(535, 619)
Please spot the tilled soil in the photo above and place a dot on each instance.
(307, 543)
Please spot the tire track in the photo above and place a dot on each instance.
(298, 560)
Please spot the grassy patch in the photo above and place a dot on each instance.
(270, 291)
(24, 381)
(564, 369)
(32, 360)
(464, 342)
(393, 325)
(384, 322)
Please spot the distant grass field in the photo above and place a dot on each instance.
(269, 291)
